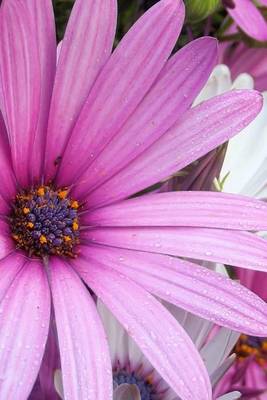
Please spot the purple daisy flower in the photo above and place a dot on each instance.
(80, 137)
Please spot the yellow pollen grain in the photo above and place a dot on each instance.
(41, 191)
(42, 239)
(15, 237)
(62, 194)
(67, 238)
(26, 210)
(149, 379)
(75, 226)
(264, 345)
(75, 204)
(30, 225)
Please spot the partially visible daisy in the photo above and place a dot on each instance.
(134, 378)
(248, 374)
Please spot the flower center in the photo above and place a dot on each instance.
(144, 386)
(251, 346)
(45, 221)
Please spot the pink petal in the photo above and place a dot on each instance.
(27, 41)
(7, 244)
(25, 311)
(195, 134)
(9, 269)
(167, 100)
(192, 287)
(251, 60)
(224, 246)
(200, 209)
(86, 366)
(254, 280)
(43, 16)
(122, 84)
(249, 18)
(7, 188)
(84, 50)
(165, 344)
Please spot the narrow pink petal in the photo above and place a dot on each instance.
(247, 277)
(241, 249)
(199, 131)
(7, 179)
(27, 41)
(254, 280)
(25, 315)
(168, 99)
(122, 84)
(84, 354)
(86, 46)
(42, 14)
(249, 18)
(9, 268)
(199, 209)
(165, 344)
(192, 287)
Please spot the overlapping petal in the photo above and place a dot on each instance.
(50, 363)
(199, 209)
(27, 41)
(200, 130)
(6, 242)
(86, 46)
(165, 345)
(170, 96)
(85, 362)
(190, 286)
(216, 350)
(224, 246)
(122, 84)
(7, 187)
(25, 315)
(9, 268)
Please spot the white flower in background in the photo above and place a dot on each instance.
(134, 378)
(244, 169)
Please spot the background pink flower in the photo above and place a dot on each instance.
(246, 15)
